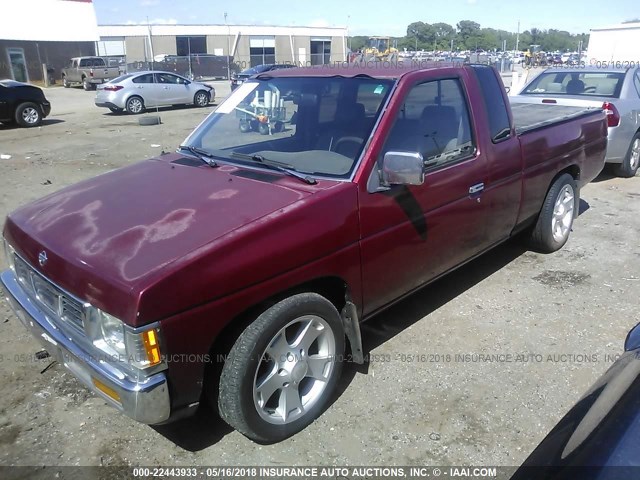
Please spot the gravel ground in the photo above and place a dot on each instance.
(558, 321)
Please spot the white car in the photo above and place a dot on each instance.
(135, 92)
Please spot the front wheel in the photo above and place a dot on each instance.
(629, 166)
(554, 223)
(283, 368)
(201, 99)
(28, 115)
(65, 82)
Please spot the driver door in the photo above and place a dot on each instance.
(411, 234)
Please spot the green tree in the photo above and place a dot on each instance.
(468, 32)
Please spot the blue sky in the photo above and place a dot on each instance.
(375, 17)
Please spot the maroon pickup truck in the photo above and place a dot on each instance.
(237, 270)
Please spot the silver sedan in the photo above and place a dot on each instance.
(134, 92)
(615, 90)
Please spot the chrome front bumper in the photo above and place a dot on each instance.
(145, 400)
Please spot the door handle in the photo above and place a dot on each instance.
(477, 188)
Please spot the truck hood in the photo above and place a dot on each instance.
(107, 237)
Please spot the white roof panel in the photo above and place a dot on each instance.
(49, 20)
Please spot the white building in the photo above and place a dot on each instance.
(37, 32)
(617, 43)
(247, 45)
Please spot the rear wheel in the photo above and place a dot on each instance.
(115, 110)
(554, 223)
(263, 128)
(135, 105)
(283, 368)
(28, 115)
(631, 162)
(87, 85)
(201, 98)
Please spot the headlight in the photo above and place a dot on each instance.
(138, 348)
(9, 254)
(112, 331)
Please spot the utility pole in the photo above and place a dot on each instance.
(228, 47)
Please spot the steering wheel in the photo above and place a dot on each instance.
(589, 89)
(357, 140)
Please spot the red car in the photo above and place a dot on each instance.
(237, 270)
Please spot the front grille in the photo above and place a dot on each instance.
(50, 298)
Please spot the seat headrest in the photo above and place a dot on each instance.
(438, 114)
(354, 112)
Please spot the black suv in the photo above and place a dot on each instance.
(22, 103)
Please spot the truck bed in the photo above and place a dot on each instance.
(530, 116)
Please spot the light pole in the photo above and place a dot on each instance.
(415, 32)
(228, 47)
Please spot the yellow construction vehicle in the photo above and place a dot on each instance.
(381, 48)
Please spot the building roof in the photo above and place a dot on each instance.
(620, 26)
(218, 29)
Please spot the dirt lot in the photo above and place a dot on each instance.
(564, 313)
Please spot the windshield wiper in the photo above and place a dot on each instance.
(201, 154)
(281, 167)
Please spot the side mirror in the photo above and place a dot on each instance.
(402, 168)
(633, 339)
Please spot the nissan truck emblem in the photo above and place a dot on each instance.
(42, 258)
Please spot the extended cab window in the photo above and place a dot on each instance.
(499, 125)
(433, 121)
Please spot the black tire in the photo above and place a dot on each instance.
(87, 85)
(201, 98)
(278, 127)
(65, 82)
(117, 111)
(134, 105)
(542, 237)
(629, 166)
(245, 127)
(28, 114)
(247, 359)
(263, 128)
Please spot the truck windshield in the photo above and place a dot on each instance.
(582, 83)
(313, 125)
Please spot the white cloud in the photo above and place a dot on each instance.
(149, 3)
